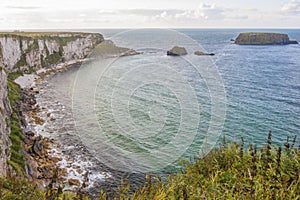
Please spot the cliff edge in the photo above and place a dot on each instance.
(5, 113)
(31, 51)
(27, 52)
(263, 39)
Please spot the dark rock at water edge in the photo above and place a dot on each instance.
(293, 42)
(201, 53)
(177, 51)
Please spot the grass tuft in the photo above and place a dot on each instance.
(223, 174)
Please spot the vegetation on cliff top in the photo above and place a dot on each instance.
(261, 33)
(231, 171)
(42, 34)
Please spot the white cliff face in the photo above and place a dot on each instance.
(5, 112)
(77, 49)
(20, 52)
(52, 46)
(11, 51)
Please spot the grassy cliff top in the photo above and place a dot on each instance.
(263, 33)
(44, 34)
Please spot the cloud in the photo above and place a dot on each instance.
(205, 15)
(238, 17)
(293, 7)
(106, 12)
(23, 7)
(150, 12)
(203, 12)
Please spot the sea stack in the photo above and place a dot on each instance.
(264, 39)
(177, 51)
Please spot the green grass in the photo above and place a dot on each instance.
(261, 33)
(13, 189)
(39, 35)
(231, 171)
(14, 75)
(13, 92)
(54, 58)
(17, 159)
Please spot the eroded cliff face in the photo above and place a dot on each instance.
(5, 112)
(28, 52)
(32, 51)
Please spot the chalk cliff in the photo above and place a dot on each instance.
(5, 112)
(32, 51)
(28, 52)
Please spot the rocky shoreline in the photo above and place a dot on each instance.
(48, 160)
(65, 157)
(44, 154)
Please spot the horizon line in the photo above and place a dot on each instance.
(21, 29)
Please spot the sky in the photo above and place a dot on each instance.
(74, 14)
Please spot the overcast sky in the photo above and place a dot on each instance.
(16, 14)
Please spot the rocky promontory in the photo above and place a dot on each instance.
(108, 49)
(253, 38)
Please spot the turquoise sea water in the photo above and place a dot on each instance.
(123, 118)
(262, 83)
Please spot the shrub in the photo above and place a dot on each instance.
(225, 173)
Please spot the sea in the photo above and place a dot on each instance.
(146, 113)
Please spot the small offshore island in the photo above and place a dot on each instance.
(253, 38)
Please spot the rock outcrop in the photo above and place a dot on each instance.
(109, 49)
(5, 112)
(177, 51)
(264, 39)
(201, 53)
(32, 51)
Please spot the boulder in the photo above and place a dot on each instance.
(37, 147)
(74, 182)
(177, 51)
(201, 53)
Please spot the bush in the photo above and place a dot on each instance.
(231, 171)
(19, 190)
